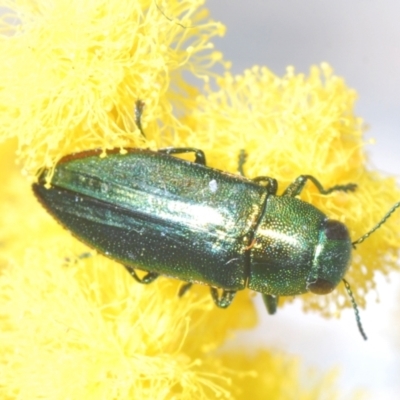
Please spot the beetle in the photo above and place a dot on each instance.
(168, 216)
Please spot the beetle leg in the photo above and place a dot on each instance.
(271, 302)
(226, 297)
(241, 161)
(80, 257)
(296, 187)
(139, 106)
(148, 278)
(200, 157)
(271, 183)
(184, 288)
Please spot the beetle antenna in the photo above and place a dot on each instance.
(377, 226)
(355, 308)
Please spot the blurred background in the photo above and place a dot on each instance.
(360, 39)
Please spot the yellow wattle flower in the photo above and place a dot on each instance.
(73, 71)
(80, 327)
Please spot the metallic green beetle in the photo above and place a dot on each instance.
(167, 216)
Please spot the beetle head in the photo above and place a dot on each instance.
(331, 259)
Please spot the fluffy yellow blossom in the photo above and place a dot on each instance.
(71, 72)
(74, 324)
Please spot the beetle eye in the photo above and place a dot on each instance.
(335, 230)
(320, 286)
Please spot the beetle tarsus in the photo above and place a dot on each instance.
(184, 288)
(296, 187)
(139, 106)
(241, 161)
(148, 278)
(225, 299)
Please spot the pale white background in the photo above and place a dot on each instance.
(361, 40)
